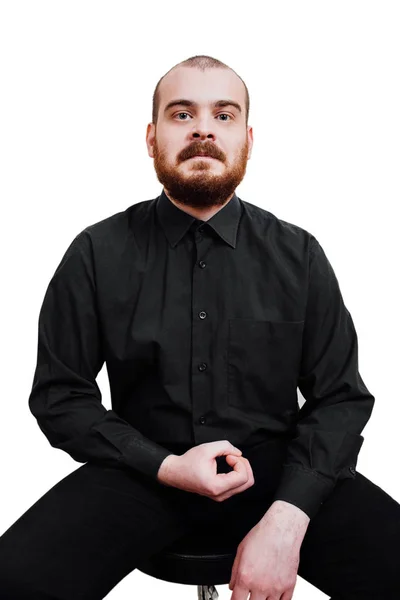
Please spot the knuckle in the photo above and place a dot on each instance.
(279, 587)
(244, 580)
(278, 590)
(213, 490)
(211, 493)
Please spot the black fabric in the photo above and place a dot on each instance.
(206, 335)
(95, 526)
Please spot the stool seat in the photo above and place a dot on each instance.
(202, 557)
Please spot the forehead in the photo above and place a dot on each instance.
(202, 87)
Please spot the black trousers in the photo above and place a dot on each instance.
(91, 529)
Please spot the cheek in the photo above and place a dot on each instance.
(173, 137)
(171, 149)
(168, 153)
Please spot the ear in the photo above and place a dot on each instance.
(150, 137)
(250, 141)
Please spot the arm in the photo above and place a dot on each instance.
(65, 398)
(338, 404)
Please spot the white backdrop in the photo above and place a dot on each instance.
(77, 80)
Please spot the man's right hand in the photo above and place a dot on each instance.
(196, 471)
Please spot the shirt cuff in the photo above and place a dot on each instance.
(146, 457)
(305, 489)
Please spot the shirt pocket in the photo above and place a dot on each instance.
(263, 361)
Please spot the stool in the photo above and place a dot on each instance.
(203, 558)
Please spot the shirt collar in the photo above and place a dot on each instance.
(176, 222)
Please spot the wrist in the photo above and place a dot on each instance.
(288, 517)
(165, 471)
(287, 508)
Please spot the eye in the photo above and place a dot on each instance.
(185, 113)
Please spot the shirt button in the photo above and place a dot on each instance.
(200, 229)
(352, 470)
(202, 314)
(202, 420)
(202, 264)
(202, 366)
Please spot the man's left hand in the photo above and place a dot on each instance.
(268, 557)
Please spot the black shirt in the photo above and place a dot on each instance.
(207, 329)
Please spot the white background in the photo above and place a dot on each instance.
(77, 80)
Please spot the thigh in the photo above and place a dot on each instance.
(89, 531)
(351, 547)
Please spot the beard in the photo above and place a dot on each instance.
(200, 188)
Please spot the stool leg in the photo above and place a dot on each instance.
(207, 592)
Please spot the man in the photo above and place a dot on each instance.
(209, 313)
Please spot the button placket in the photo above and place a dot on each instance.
(200, 387)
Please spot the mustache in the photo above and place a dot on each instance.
(204, 149)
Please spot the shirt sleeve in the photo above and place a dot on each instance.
(337, 404)
(65, 398)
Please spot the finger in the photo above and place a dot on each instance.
(235, 478)
(231, 484)
(242, 593)
(237, 489)
(233, 458)
(288, 595)
(239, 468)
(234, 569)
(221, 448)
(230, 458)
(226, 482)
(245, 463)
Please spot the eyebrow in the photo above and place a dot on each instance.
(218, 103)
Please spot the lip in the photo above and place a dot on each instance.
(202, 156)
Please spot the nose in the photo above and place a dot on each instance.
(203, 135)
(203, 131)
